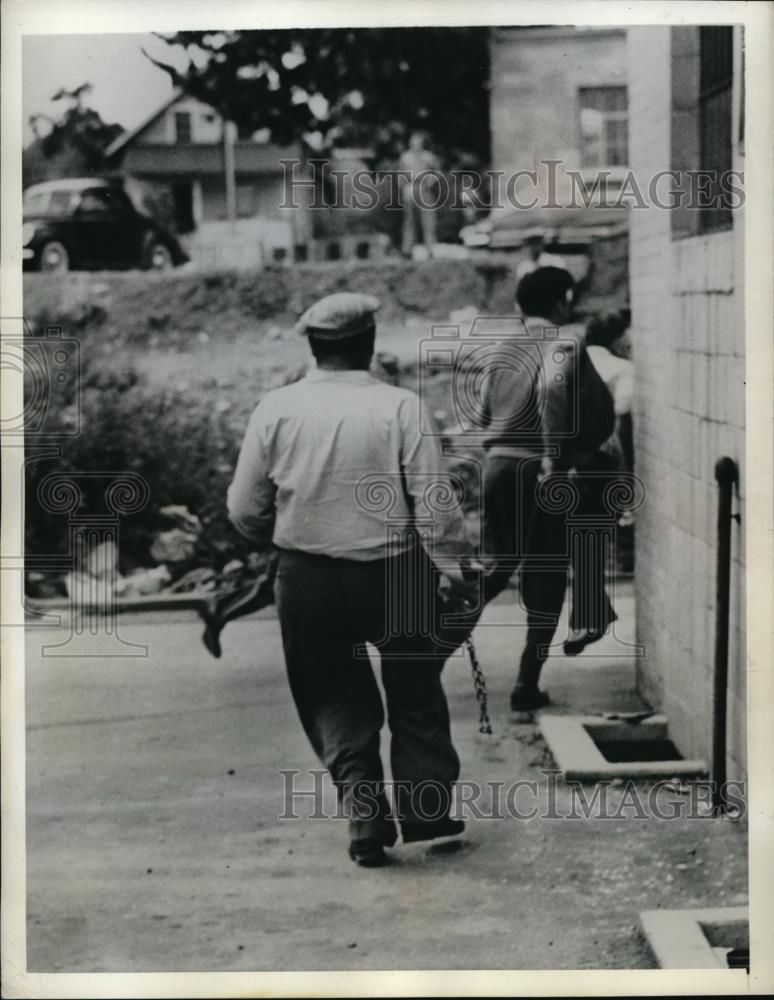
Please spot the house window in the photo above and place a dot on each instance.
(702, 111)
(182, 127)
(604, 126)
(716, 58)
(182, 199)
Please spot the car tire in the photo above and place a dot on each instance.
(54, 258)
(158, 257)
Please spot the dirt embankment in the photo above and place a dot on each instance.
(188, 302)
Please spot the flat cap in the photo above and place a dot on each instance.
(340, 315)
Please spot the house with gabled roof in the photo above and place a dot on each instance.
(228, 196)
(224, 194)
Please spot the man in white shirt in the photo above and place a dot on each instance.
(419, 190)
(336, 471)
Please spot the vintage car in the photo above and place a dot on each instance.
(91, 223)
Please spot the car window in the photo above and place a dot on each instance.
(59, 202)
(96, 202)
(121, 200)
(34, 201)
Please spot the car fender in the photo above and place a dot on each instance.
(46, 232)
(156, 235)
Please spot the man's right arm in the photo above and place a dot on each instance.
(251, 496)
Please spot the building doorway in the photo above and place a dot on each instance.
(182, 199)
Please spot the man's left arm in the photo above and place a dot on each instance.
(430, 485)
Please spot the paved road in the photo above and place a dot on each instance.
(154, 844)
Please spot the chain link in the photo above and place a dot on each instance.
(479, 685)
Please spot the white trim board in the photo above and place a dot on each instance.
(678, 940)
(579, 758)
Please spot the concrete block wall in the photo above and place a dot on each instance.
(245, 244)
(688, 336)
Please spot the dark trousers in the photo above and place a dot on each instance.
(520, 532)
(414, 216)
(527, 528)
(591, 550)
(328, 608)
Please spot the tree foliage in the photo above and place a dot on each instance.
(71, 144)
(363, 87)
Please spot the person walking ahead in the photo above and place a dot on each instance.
(335, 470)
(545, 410)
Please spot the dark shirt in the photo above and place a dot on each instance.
(524, 398)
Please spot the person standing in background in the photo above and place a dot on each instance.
(617, 372)
(538, 255)
(418, 186)
(606, 342)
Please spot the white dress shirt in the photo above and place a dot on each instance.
(339, 464)
(617, 374)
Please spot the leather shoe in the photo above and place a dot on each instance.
(528, 699)
(211, 634)
(368, 853)
(579, 639)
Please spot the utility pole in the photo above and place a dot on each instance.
(229, 169)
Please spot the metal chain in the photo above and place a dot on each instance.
(479, 685)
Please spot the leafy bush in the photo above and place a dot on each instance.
(182, 445)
